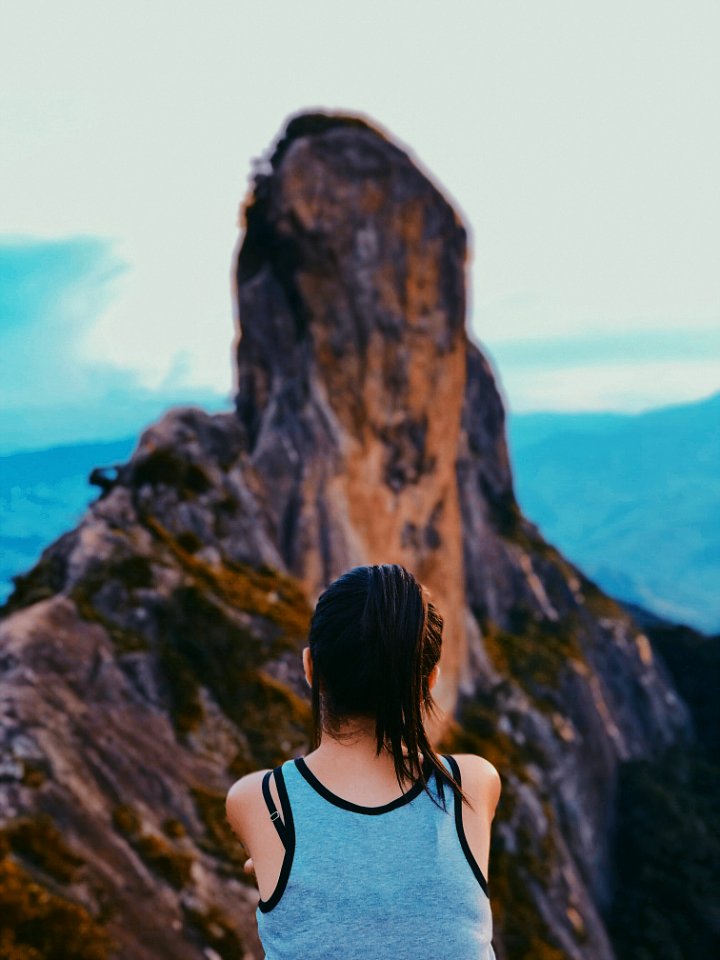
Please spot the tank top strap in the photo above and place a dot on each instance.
(460, 828)
(284, 826)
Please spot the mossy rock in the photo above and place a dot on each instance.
(126, 819)
(516, 918)
(38, 840)
(182, 689)
(242, 763)
(123, 640)
(36, 924)
(35, 772)
(511, 524)
(535, 653)
(173, 828)
(505, 512)
(204, 648)
(475, 731)
(175, 866)
(131, 572)
(275, 720)
(599, 603)
(220, 840)
(260, 591)
(189, 541)
(216, 931)
(164, 466)
(43, 581)
(172, 865)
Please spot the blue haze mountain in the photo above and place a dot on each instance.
(42, 492)
(634, 500)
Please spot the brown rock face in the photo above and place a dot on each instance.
(152, 656)
(351, 365)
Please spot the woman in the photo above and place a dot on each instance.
(348, 866)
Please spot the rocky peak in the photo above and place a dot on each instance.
(153, 653)
(351, 362)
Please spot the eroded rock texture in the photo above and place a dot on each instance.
(153, 654)
(351, 365)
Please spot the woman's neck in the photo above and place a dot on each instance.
(357, 748)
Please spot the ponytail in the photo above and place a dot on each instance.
(374, 639)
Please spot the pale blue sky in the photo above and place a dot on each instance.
(580, 142)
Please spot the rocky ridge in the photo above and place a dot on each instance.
(152, 655)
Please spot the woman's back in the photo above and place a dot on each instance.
(367, 883)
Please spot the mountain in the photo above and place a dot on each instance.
(152, 655)
(564, 465)
(633, 499)
(41, 492)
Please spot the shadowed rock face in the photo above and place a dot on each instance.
(152, 656)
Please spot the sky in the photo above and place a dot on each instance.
(579, 142)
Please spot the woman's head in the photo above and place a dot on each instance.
(374, 644)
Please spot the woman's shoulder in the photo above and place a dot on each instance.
(476, 765)
(244, 799)
(480, 780)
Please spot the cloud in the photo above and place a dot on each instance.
(635, 347)
(618, 387)
(54, 291)
(590, 194)
(594, 371)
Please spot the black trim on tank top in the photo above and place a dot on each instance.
(265, 906)
(400, 801)
(274, 812)
(479, 876)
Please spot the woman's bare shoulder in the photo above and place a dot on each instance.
(243, 798)
(480, 779)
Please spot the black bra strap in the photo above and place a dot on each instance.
(274, 812)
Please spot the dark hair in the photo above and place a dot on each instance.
(374, 639)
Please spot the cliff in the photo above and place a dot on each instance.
(153, 653)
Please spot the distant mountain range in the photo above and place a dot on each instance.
(43, 493)
(632, 499)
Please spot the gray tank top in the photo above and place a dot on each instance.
(394, 882)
